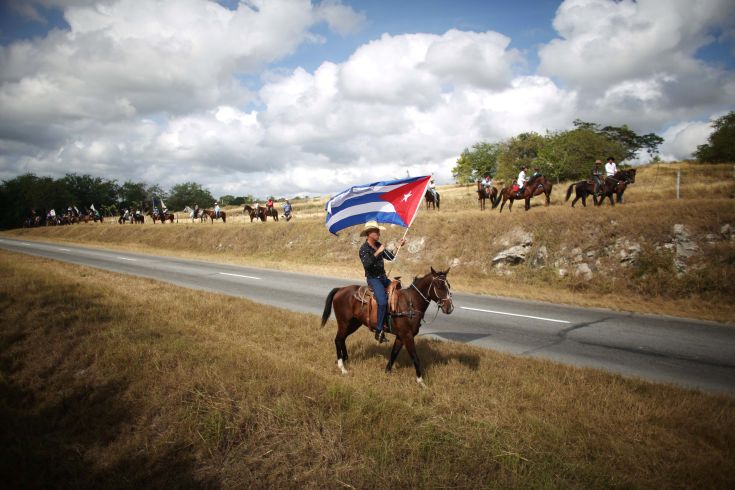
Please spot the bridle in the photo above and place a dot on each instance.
(432, 286)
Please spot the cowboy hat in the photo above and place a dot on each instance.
(371, 225)
(598, 161)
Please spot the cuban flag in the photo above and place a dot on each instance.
(395, 202)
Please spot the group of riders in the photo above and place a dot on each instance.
(71, 215)
(523, 180)
(198, 213)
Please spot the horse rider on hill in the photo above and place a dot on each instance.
(486, 182)
(597, 176)
(269, 205)
(287, 210)
(372, 255)
(216, 209)
(432, 189)
(521, 180)
(610, 167)
(196, 210)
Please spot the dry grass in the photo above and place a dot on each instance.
(102, 386)
(461, 235)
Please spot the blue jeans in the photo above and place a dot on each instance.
(381, 297)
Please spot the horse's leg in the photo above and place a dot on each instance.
(397, 346)
(411, 348)
(343, 331)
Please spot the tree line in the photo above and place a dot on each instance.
(28, 193)
(560, 155)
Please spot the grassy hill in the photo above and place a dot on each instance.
(653, 254)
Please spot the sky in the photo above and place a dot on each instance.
(298, 97)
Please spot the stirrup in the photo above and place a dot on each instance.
(380, 336)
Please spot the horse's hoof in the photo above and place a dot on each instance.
(420, 381)
(341, 366)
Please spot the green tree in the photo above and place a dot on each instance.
(226, 200)
(571, 154)
(189, 194)
(132, 195)
(518, 151)
(630, 141)
(87, 190)
(720, 146)
(473, 164)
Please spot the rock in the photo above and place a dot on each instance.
(583, 271)
(516, 236)
(726, 231)
(416, 245)
(684, 248)
(563, 272)
(454, 262)
(576, 255)
(542, 254)
(513, 255)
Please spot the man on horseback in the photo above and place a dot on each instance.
(287, 210)
(486, 183)
(610, 167)
(216, 210)
(432, 189)
(597, 176)
(521, 181)
(372, 254)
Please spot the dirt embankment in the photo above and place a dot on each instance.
(668, 257)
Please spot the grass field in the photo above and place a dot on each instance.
(114, 381)
(462, 236)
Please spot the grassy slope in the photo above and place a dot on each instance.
(108, 380)
(462, 235)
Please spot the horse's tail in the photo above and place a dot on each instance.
(328, 305)
(496, 201)
(569, 192)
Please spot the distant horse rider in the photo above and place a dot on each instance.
(269, 205)
(597, 176)
(287, 210)
(432, 189)
(372, 254)
(486, 183)
(216, 210)
(521, 181)
(196, 210)
(610, 167)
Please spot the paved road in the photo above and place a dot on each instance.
(686, 352)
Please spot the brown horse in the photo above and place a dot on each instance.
(255, 213)
(412, 303)
(431, 200)
(483, 195)
(272, 212)
(611, 186)
(213, 216)
(162, 217)
(627, 175)
(534, 187)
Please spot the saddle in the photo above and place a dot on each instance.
(365, 295)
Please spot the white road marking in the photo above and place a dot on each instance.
(127, 258)
(515, 314)
(64, 249)
(238, 275)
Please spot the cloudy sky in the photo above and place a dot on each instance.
(291, 97)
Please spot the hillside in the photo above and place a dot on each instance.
(653, 254)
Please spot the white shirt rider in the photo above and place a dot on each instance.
(610, 168)
(486, 182)
(521, 178)
(216, 209)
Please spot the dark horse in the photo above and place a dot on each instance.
(255, 213)
(213, 216)
(412, 303)
(611, 185)
(534, 187)
(431, 200)
(483, 195)
(163, 217)
(272, 212)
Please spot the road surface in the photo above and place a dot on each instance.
(689, 353)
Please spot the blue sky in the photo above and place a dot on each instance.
(292, 96)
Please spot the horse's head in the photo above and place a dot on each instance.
(439, 290)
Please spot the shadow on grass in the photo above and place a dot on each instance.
(431, 353)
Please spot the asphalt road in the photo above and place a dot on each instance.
(689, 353)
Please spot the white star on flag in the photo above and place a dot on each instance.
(406, 196)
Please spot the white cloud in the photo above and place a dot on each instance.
(156, 91)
